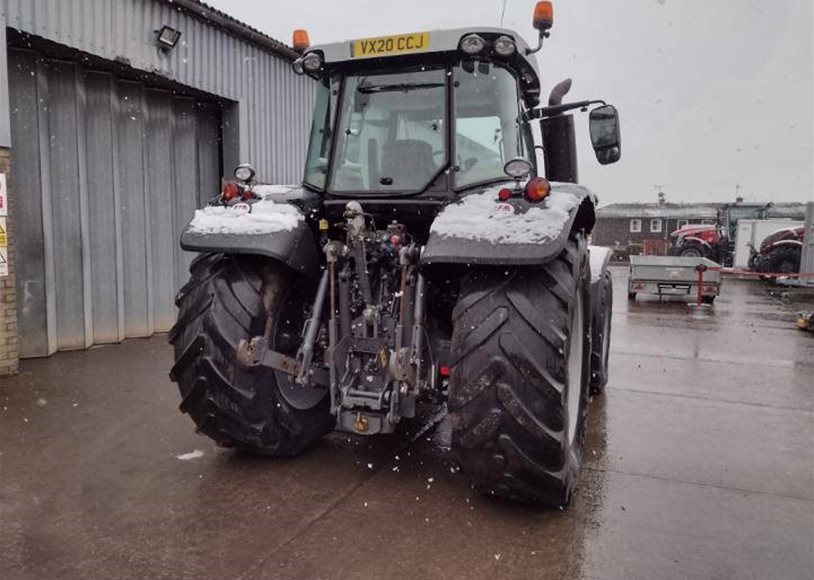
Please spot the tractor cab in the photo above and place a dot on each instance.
(428, 114)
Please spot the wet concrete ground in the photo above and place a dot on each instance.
(699, 463)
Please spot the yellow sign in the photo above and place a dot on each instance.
(3, 240)
(385, 45)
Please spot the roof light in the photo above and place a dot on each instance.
(517, 168)
(300, 40)
(312, 62)
(472, 44)
(537, 189)
(543, 16)
(505, 46)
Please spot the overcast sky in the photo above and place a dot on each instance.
(712, 94)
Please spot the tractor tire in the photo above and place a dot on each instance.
(519, 378)
(784, 260)
(253, 409)
(601, 333)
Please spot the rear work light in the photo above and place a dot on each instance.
(537, 189)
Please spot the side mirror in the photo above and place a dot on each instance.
(605, 134)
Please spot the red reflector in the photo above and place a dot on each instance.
(504, 194)
(443, 371)
(230, 190)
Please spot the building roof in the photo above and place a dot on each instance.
(660, 210)
(689, 210)
(236, 27)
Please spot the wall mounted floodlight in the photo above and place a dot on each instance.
(167, 38)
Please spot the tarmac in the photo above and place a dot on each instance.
(698, 463)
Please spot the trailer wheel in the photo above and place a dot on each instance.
(601, 333)
(230, 298)
(519, 378)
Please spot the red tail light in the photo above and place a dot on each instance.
(443, 371)
(537, 189)
(504, 194)
(230, 190)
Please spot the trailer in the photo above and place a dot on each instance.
(674, 276)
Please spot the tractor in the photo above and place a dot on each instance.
(780, 252)
(716, 241)
(425, 259)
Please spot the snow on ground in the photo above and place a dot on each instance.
(481, 217)
(191, 455)
(266, 217)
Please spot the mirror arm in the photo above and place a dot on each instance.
(555, 110)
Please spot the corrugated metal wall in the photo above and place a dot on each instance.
(107, 173)
(276, 104)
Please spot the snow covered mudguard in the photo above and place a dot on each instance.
(480, 229)
(270, 227)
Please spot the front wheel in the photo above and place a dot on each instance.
(693, 251)
(230, 298)
(519, 381)
(601, 332)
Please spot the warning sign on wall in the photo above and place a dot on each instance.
(3, 195)
(3, 248)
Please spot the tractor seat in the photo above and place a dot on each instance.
(407, 164)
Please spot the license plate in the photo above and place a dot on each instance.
(385, 45)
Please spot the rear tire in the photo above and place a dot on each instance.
(517, 396)
(601, 333)
(230, 298)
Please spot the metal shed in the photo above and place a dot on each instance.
(115, 142)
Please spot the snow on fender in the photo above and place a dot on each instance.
(481, 217)
(264, 217)
(272, 227)
(480, 229)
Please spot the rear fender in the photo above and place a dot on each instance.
(273, 228)
(480, 229)
(786, 244)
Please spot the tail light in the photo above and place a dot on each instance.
(537, 189)
(230, 191)
(504, 194)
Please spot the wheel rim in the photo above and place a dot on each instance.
(575, 362)
(692, 253)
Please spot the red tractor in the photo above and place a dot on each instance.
(716, 241)
(696, 241)
(780, 252)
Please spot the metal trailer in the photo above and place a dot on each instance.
(674, 276)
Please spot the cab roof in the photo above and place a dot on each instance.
(436, 43)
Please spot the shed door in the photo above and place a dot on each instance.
(106, 173)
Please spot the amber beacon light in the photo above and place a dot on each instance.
(300, 40)
(543, 16)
